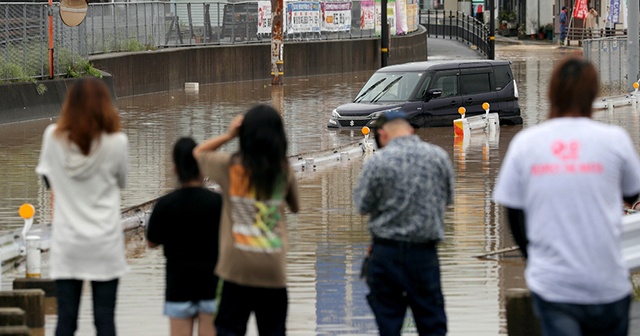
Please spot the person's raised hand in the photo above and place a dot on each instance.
(234, 126)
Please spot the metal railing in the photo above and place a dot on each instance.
(113, 27)
(580, 34)
(137, 26)
(161, 24)
(610, 55)
(458, 25)
(24, 42)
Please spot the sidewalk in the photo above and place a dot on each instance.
(446, 49)
(451, 49)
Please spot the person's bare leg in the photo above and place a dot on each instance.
(205, 325)
(181, 327)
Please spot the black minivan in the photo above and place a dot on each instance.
(431, 92)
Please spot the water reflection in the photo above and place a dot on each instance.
(328, 238)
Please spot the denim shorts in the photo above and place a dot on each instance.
(189, 308)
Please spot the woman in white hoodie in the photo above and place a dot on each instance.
(84, 162)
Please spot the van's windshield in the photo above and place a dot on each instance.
(388, 87)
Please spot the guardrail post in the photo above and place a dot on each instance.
(31, 243)
(33, 256)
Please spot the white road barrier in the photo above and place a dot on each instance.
(631, 240)
(488, 122)
(609, 103)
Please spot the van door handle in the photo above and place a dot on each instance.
(453, 103)
(469, 101)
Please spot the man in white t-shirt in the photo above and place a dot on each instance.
(563, 183)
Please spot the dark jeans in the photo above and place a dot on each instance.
(237, 302)
(564, 319)
(68, 293)
(401, 276)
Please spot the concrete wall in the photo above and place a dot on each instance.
(168, 69)
(21, 101)
(129, 74)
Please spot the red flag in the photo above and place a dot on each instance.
(580, 11)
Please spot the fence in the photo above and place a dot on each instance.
(580, 34)
(456, 25)
(611, 56)
(137, 26)
(24, 42)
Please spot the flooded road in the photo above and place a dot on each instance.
(327, 238)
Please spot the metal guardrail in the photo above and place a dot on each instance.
(458, 25)
(610, 103)
(132, 218)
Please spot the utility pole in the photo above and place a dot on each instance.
(492, 30)
(633, 42)
(384, 34)
(50, 14)
(277, 44)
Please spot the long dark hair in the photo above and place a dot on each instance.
(573, 88)
(87, 112)
(186, 165)
(263, 149)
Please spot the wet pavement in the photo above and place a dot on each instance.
(328, 238)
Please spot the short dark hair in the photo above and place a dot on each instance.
(388, 116)
(573, 87)
(186, 165)
(564, 7)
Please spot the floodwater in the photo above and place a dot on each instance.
(327, 238)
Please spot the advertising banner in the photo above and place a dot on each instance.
(581, 10)
(336, 16)
(264, 17)
(303, 17)
(614, 11)
(401, 17)
(412, 16)
(367, 14)
(391, 17)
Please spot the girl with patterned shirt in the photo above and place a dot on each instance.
(257, 183)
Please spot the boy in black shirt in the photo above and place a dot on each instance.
(186, 223)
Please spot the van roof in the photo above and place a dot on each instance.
(440, 65)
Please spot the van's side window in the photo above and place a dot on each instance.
(448, 83)
(422, 93)
(503, 76)
(475, 83)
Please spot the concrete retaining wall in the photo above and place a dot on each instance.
(21, 101)
(168, 69)
(129, 74)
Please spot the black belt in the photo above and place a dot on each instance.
(399, 243)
